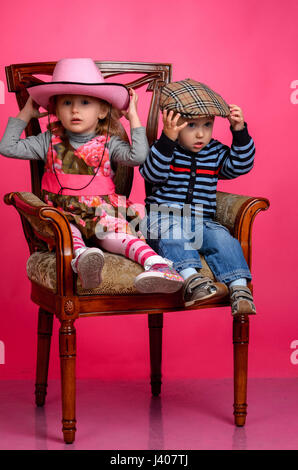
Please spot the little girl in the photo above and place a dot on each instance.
(81, 150)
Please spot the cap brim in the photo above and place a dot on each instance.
(114, 93)
(205, 110)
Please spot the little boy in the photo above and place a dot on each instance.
(184, 166)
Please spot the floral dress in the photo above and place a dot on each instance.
(96, 214)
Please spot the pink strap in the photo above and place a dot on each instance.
(100, 185)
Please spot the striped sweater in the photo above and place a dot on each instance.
(179, 176)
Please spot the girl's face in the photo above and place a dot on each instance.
(197, 134)
(79, 113)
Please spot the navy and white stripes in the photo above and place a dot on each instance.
(182, 177)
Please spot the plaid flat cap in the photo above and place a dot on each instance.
(192, 99)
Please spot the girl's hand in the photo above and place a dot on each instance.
(170, 124)
(132, 113)
(30, 111)
(236, 117)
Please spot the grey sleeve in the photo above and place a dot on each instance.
(130, 155)
(30, 148)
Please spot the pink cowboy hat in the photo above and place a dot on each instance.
(79, 77)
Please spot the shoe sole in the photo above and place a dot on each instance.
(202, 299)
(90, 267)
(156, 284)
(244, 308)
(219, 294)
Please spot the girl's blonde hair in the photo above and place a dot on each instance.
(114, 127)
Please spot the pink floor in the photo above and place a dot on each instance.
(191, 414)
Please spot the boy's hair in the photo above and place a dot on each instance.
(114, 127)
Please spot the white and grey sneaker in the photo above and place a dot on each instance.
(88, 264)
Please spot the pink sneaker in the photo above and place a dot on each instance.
(89, 265)
(159, 278)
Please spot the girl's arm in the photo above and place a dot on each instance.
(30, 111)
(132, 113)
(123, 152)
(126, 154)
(31, 148)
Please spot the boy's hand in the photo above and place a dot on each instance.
(30, 110)
(132, 113)
(170, 124)
(236, 117)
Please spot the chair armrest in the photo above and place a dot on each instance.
(50, 225)
(237, 213)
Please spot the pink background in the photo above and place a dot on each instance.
(247, 51)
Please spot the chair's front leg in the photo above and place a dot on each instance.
(240, 341)
(67, 348)
(45, 327)
(155, 323)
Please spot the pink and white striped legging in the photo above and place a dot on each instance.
(122, 244)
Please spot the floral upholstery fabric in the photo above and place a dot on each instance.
(227, 208)
(118, 274)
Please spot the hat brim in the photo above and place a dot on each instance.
(114, 93)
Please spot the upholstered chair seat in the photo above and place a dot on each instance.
(118, 274)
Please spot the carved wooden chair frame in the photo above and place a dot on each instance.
(42, 223)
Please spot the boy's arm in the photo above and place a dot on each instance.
(239, 159)
(156, 167)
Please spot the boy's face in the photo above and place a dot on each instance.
(197, 134)
(79, 113)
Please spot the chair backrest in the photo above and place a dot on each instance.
(153, 75)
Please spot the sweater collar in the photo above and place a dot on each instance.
(79, 138)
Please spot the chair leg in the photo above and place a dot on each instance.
(240, 340)
(67, 348)
(155, 323)
(44, 331)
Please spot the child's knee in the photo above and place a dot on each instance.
(217, 236)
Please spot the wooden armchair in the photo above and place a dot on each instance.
(57, 290)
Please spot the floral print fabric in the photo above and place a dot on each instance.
(93, 215)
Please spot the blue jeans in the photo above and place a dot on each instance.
(183, 239)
